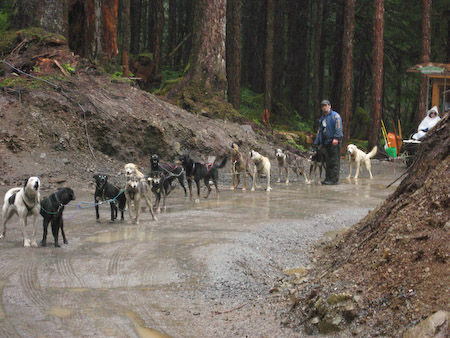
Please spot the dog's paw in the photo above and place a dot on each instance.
(253, 189)
(66, 242)
(244, 189)
(2, 236)
(269, 189)
(97, 220)
(155, 218)
(43, 243)
(287, 181)
(26, 242)
(34, 244)
(279, 180)
(231, 188)
(197, 200)
(349, 177)
(57, 245)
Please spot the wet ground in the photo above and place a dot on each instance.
(202, 270)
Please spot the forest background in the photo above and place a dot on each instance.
(241, 57)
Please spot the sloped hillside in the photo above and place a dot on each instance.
(91, 121)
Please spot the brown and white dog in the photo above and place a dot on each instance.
(136, 189)
(262, 167)
(284, 161)
(24, 202)
(239, 165)
(358, 156)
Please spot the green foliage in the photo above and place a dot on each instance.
(252, 105)
(7, 41)
(3, 21)
(69, 68)
(360, 144)
(360, 124)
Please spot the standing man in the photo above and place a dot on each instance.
(330, 137)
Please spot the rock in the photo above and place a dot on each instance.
(248, 128)
(447, 226)
(300, 272)
(43, 155)
(338, 298)
(57, 180)
(435, 326)
(326, 327)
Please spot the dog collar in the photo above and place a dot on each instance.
(27, 206)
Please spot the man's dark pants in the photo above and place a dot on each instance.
(333, 162)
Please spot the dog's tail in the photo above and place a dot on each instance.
(372, 153)
(224, 161)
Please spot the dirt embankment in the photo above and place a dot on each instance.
(65, 124)
(391, 270)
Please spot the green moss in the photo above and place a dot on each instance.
(334, 299)
(7, 41)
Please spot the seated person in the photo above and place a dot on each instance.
(427, 123)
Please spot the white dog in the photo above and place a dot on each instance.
(262, 167)
(24, 202)
(283, 163)
(132, 169)
(358, 156)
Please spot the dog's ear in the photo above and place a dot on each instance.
(95, 176)
(25, 183)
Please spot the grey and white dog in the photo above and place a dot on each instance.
(284, 161)
(136, 189)
(24, 202)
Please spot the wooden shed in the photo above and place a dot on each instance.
(438, 75)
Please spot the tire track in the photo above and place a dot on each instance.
(29, 283)
(65, 269)
(114, 265)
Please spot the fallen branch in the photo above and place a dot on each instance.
(19, 46)
(228, 311)
(61, 68)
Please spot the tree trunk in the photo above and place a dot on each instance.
(110, 10)
(126, 38)
(158, 35)
(425, 57)
(336, 62)
(268, 64)
(172, 28)
(317, 54)
(347, 67)
(377, 72)
(101, 36)
(278, 61)
(51, 15)
(253, 40)
(135, 14)
(233, 50)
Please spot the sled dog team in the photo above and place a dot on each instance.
(26, 201)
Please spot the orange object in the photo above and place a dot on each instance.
(394, 141)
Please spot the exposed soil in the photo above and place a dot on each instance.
(89, 123)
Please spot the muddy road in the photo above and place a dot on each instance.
(202, 270)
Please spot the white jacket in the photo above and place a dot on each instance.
(427, 123)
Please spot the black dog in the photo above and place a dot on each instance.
(169, 173)
(197, 171)
(105, 191)
(318, 160)
(160, 187)
(52, 209)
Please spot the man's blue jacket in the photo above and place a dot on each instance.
(333, 129)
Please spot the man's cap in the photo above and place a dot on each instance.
(325, 103)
